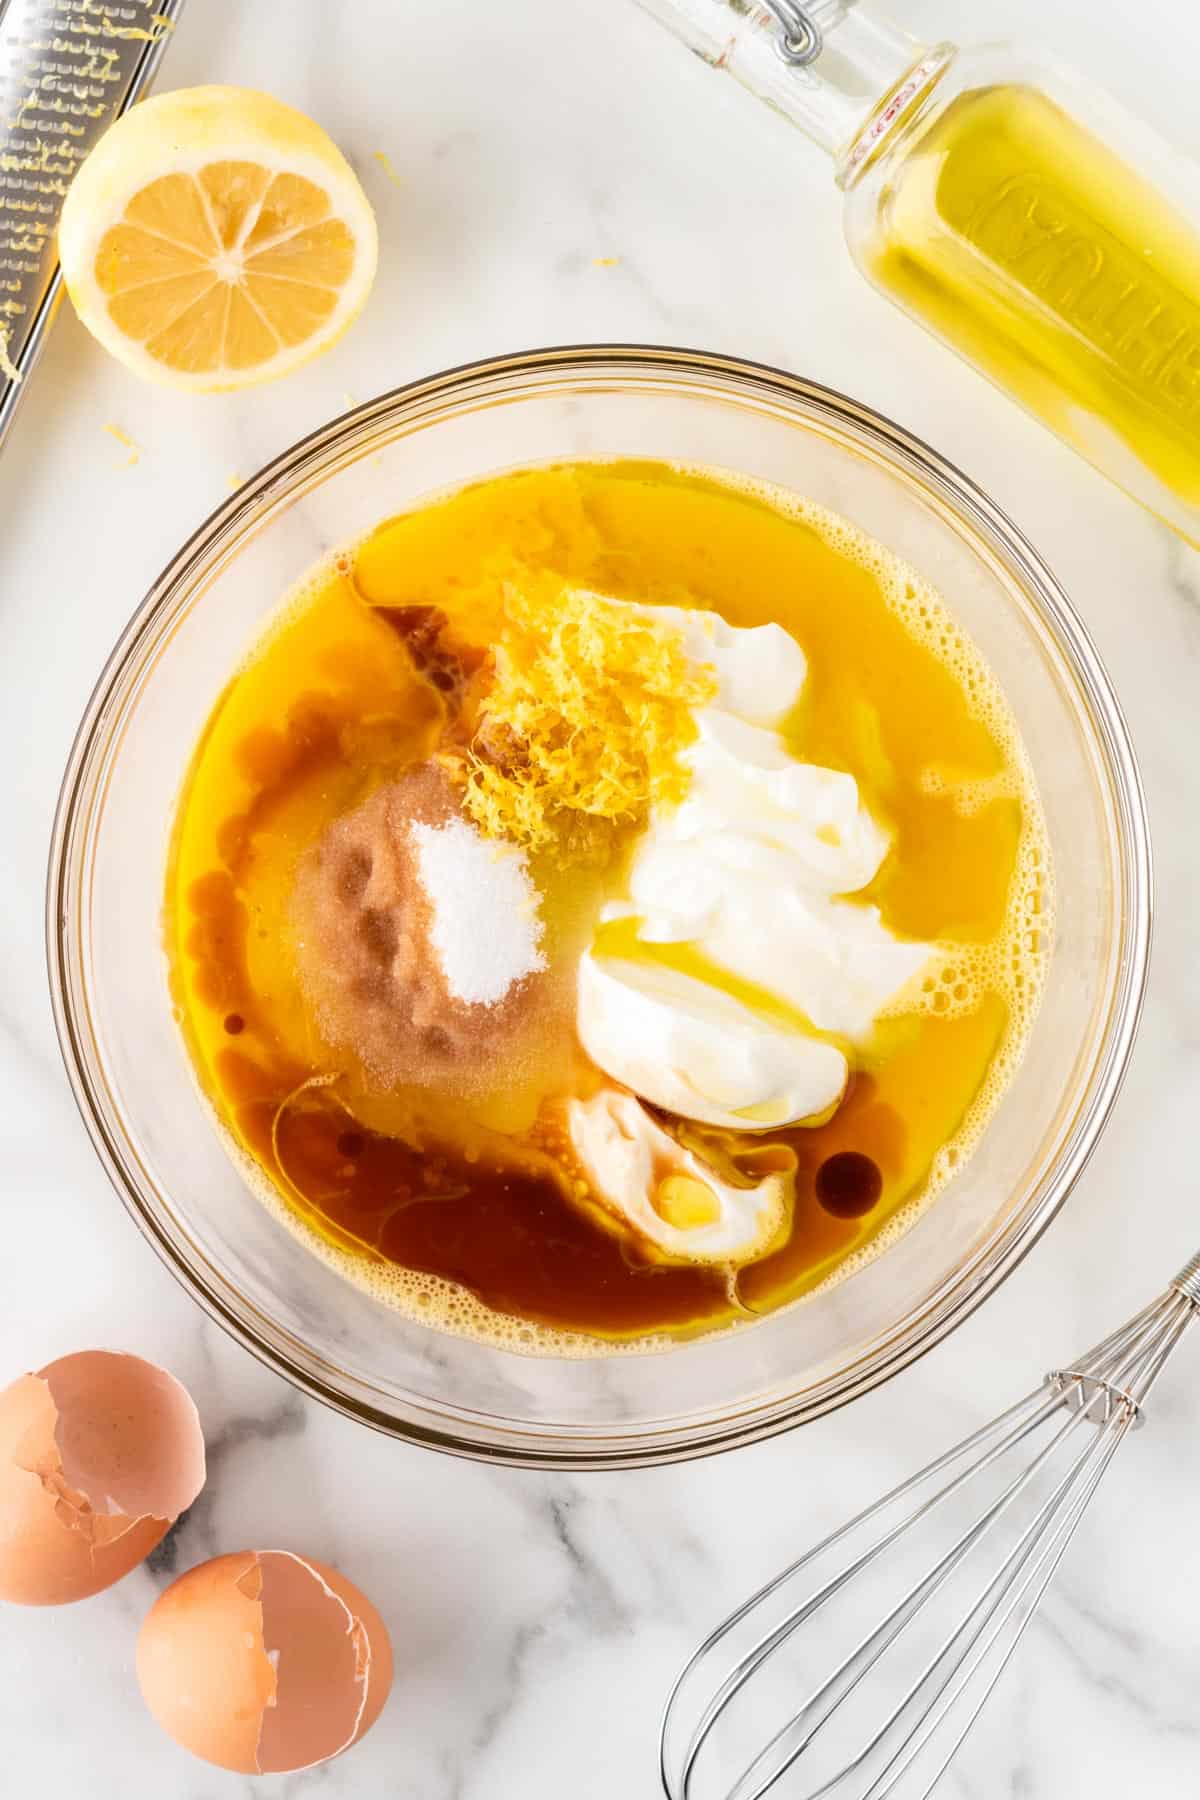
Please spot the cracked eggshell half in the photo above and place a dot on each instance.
(99, 1454)
(668, 1194)
(264, 1662)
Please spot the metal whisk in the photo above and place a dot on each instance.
(857, 1672)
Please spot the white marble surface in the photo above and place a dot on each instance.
(538, 1618)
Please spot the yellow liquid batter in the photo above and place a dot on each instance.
(329, 706)
(1049, 264)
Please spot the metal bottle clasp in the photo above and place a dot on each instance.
(799, 40)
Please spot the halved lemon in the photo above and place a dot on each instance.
(215, 237)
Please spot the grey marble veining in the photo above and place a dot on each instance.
(539, 1618)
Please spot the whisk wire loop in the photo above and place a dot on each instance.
(1025, 1416)
(1029, 1592)
(870, 1649)
(1038, 1549)
(1072, 1426)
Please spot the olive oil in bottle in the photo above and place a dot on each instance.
(1015, 211)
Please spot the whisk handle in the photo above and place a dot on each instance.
(1187, 1282)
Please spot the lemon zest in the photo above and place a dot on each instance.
(161, 26)
(7, 365)
(124, 438)
(581, 731)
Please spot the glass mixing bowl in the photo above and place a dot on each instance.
(127, 1062)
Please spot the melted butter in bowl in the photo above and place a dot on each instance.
(620, 882)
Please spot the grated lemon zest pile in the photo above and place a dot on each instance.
(581, 730)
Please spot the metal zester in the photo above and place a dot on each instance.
(68, 68)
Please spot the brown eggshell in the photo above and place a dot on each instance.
(372, 1638)
(203, 1670)
(99, 1454)
(264, 1662)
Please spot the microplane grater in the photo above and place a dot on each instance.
(68, 68)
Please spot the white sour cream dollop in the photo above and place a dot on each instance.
(752, 870)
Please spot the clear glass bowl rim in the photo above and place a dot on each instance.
(418, 402)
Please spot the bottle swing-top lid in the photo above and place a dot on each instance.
(830, 66)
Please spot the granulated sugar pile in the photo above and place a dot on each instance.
(485, 927)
